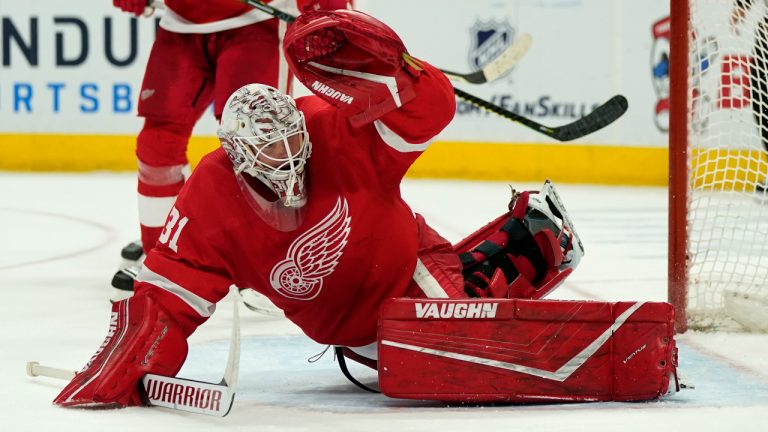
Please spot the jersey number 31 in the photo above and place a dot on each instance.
(173, 226)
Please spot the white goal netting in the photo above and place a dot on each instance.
(728, 163)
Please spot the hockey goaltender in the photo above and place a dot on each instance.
(302, 204)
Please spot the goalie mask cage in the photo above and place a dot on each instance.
(718, 207)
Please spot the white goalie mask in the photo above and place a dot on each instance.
(265, 136)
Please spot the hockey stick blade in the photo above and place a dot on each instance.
(499, 66)
(187, 395)
(193, 396)
(601, 117)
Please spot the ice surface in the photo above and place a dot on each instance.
(61, 235)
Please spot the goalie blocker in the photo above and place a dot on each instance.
(512, 350)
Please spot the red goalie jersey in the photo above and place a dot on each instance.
(355, 241)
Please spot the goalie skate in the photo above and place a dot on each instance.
(132, 258)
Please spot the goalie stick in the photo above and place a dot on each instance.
(181, 394)
(490, 72)
(601, 117)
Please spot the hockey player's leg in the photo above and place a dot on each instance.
(160, 142)
(158, 187)
(143, 338)
(170, 106)
(236, 64)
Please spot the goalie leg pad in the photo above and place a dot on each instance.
(525, 350)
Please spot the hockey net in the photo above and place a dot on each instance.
(718, 166)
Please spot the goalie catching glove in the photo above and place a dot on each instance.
(143, 338)
(352, 61)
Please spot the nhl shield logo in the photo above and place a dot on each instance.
(489, 39)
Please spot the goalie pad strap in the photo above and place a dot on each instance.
(487, 248)
(504, 262)
(512, 250)
(537, 242)
(341, 354)
(522, 243)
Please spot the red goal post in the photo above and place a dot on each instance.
(678, 159)
(718, 165)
